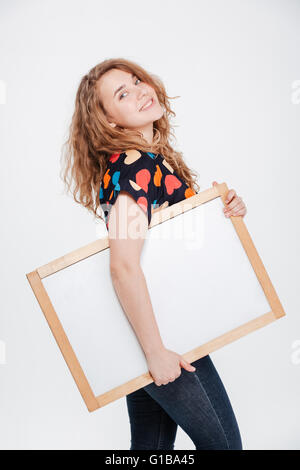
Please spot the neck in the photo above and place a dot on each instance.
(147, 132)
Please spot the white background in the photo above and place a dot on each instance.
(235, 66)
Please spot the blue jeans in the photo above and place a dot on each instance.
(196, 401)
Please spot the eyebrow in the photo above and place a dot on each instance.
(122, 86)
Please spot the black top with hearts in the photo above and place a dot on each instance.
(147, 177)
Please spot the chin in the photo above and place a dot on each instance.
(157, 115)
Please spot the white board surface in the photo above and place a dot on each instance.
(201, 285)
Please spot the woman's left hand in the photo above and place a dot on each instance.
(234, 204)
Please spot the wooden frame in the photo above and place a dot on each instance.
(94, 402)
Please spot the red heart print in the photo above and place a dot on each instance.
(172, 183)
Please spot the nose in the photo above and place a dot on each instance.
(142, 92)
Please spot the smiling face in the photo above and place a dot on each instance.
(124, 96)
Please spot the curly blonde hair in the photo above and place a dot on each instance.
(92, 140)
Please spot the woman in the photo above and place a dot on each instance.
(120, 157)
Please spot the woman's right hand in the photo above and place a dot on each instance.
(165, 366)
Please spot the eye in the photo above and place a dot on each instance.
(137, 79)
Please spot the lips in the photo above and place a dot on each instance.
(147, 103)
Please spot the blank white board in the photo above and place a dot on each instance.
(201, 284)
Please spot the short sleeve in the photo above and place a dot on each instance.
(129, 171)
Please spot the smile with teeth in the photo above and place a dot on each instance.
(147, 105)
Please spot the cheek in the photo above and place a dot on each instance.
(127, 113)
(128, 108)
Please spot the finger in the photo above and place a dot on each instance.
(231, 193)
(236, 211)
(240, 212)
(233, 207)
(187, 366)
(236, 200)
(238, 207)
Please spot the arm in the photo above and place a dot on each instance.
(126, 239)
(126, 273)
